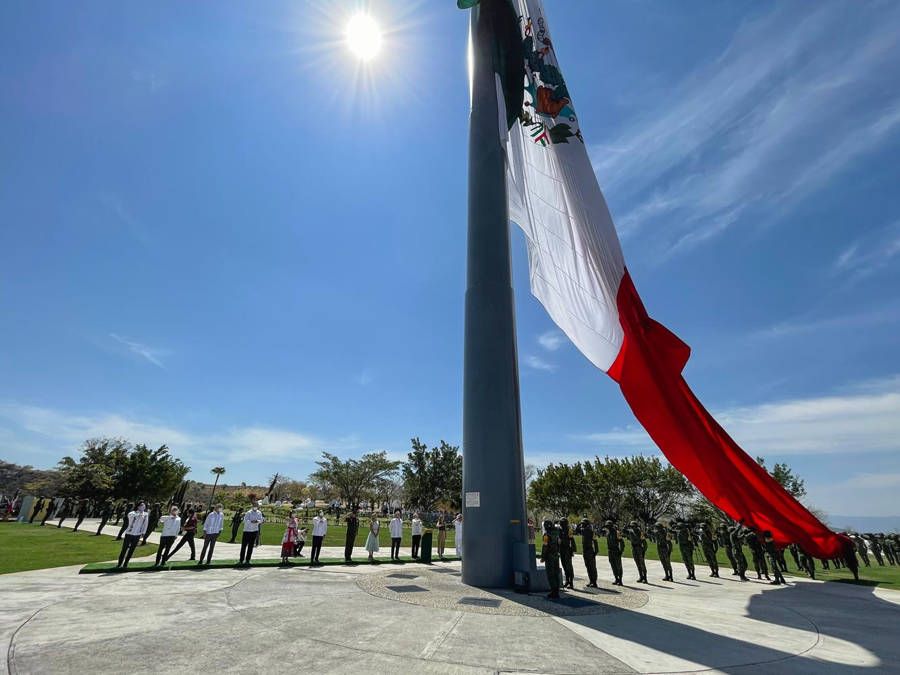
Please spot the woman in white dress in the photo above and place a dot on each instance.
(372, 539)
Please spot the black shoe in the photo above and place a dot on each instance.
(553, 596)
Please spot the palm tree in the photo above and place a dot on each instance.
(218, 470)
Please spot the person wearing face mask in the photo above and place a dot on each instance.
(137, 526)
(252, 520)
(212, 526)
(320, 527)
(189, 526)
(171, 528)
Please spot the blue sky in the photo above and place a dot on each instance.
(219, 231)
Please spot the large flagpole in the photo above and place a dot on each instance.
(493, 464)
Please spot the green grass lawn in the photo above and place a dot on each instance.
(32, 547)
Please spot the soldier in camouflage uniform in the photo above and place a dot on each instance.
(567, 549)
(709, 545)
(664, 547)
(589, 550)
(635, 534)
(615, 545)
(772, 552)
(725, 543)
(686, 545)
(736, 534)
(751, 536)
(550, 557)
(876, 548)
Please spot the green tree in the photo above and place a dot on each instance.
(652, 490)
(559, 489)
(218, 471)
(352, 478)
(150, 474)
(94, 474)
(786, 478)
(433, 477)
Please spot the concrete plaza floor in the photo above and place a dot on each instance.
(381, 619)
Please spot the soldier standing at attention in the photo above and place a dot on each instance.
(807, 564)
(756, 551)
(876, 548)
(37, 509)
(48, 514)
(635, 535)
(236, 521)
(152, 520)
(589, 550)
(83, 509)
(664, 548)
(686, 546)
(725, 542)
(863, 549)
(709, 546)
(772, 552)
(64, 511)
(550, 557)
(106, 512)
(850, 557)
(736, 534)
(795, 554)
(615, 545)
(567, 549)
(352, 522)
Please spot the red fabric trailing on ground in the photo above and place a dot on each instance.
(648, 370)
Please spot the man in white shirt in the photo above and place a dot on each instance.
(171, 528)
(212, 526)
(320, 527)
(137, 526)
(252, 520)
(416, 535)
(396, 528)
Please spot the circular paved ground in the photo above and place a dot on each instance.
(443, 589)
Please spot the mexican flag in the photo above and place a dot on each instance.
(578, 273)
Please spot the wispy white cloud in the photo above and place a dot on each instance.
(551, 340)
(801, 325)
(61, 432)
(869, 254)
(861, 419)
(151, 354)
(537, 363)
(744, 133)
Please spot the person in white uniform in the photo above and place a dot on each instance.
(137, 526)
(416, 535)
(171, 528)
(458, 525)
(252, 520)
(320, 527)
(212, 527)
(396, 528)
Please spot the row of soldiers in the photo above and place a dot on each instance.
(559, 547)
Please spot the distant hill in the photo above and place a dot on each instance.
(865, 523)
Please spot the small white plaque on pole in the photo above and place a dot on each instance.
(473, 499)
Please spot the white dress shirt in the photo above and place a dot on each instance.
(213, 523)
(396, 528)
(171, 526)
(320, 526)
(137, 522)
(416, 526)
(252, 520)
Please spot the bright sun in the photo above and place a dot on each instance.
(363, 36)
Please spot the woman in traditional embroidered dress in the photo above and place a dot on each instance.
(290, 536)
(372, 539)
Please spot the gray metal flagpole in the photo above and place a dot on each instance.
(493, 463)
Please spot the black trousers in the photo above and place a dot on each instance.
(248, 541)
(234, 531)
(348, 543)
(128, 546)
(33, 515)
(316, 548)
(188, 539)
(78, 523)
(162, 552)
(416, 541)
(590, 563)
(209, 543)
(103, 522)
(298, 547)
(395, 548)
(123, 528)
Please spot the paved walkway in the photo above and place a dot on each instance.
(344, 619)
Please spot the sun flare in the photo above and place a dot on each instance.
(363, 36)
